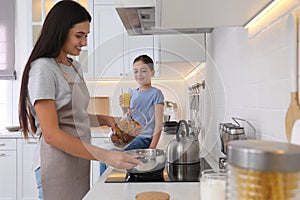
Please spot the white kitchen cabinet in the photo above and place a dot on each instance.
(136, 46)
(104, 2)
(40, 9)
(181, 47)
(114, 50)
(95, 171)
(8, 172)
(17, 176)
(26, 187)
(108, 43)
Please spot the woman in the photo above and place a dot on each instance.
(150, 101)
(53, 103)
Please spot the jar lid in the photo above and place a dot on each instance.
(236, 130)
(264, 155)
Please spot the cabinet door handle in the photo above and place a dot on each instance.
(2, 144)
(2, 154)
(31, 142)
(121, 74)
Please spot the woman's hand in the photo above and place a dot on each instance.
(114, 124)
(120, 160)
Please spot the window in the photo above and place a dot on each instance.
(6, 104)
(7, 39)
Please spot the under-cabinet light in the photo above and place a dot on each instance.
(261, 14)
(198, 69)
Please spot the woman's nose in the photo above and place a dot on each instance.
(83, 42)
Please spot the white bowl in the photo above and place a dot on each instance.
(13, 128)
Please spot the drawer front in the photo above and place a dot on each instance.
(8, 144)
(102, 142)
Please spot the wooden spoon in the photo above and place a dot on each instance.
(293, 112)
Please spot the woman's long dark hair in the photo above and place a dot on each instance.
(60, 19)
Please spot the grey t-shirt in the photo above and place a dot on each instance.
(46, 81)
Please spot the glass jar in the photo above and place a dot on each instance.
(263, 170)
(213, 184)
(132, 124)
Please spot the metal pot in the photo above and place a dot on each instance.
(153, 160)
(185, 148)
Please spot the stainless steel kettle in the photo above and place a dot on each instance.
(185, 148)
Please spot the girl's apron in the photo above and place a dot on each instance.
(64, 176)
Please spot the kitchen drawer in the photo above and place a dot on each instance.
(8, 144)
(103, 142)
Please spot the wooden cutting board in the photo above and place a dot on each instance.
(293, 112)
(152, 195)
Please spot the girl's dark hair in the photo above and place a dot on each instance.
(60, 19)
(146, 59)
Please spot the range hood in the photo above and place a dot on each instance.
(148, 17)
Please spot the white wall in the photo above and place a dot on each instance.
(173, 90)
(248, 76)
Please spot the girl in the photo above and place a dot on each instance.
(148, 100)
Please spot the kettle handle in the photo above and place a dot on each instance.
(178, 133)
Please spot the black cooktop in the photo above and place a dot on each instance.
(171, 173)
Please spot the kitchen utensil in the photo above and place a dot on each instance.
(153, 160)
(13, 128)
(170, 127)
(293, 112)
(229, 132)
(263, 170)
(185, 148)
(248, 135)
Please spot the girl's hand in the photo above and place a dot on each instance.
(120, 100)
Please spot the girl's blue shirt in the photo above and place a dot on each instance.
(144, 101)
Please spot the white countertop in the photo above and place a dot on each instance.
(127, 191)
(95, 132)
(4, 134)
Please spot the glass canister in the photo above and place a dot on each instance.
(213, 184)
(128, 128)
(265, 170)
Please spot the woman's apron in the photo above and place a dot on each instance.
(66, 177)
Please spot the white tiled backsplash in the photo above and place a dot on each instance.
(248, 76)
